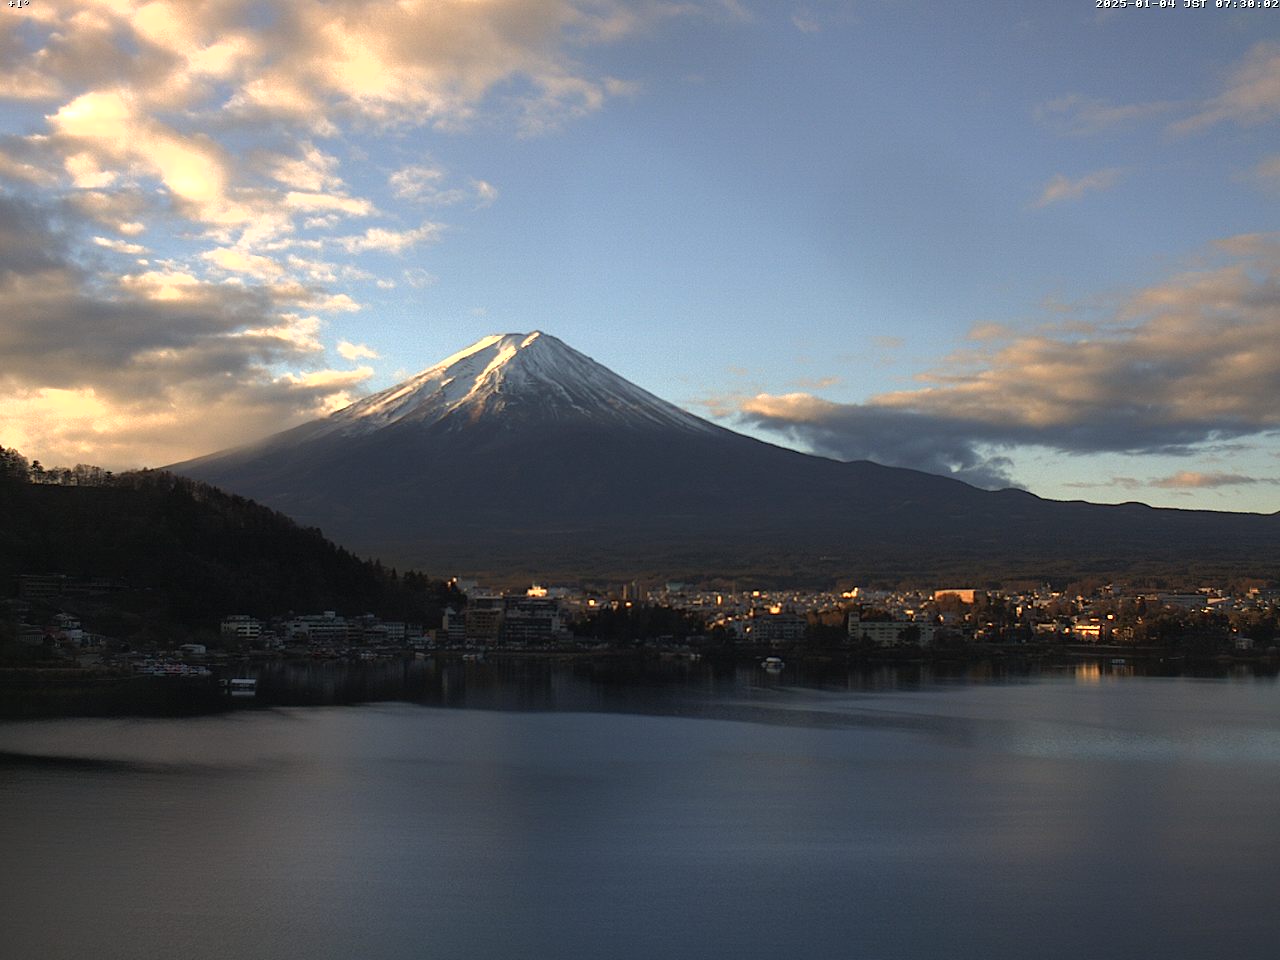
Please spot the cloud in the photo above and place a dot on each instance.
(485, 193)
(1251, 95)
(304, 296)
(1182, 480)
(1179, 364)
(390, 241)
(312, 170)
(816, 383)
(934, 444)
(321, 271)
(117, 211)
(432, 63)
(418, 278)
(106, 135)
(1124, 483)
(1062, 188)
(241, 261)
(422, 182)
(319, 64)
(806, 22)
(356, 351)
(1074, 115)
(429, 184)
(990, 331)
(18, 163)
(148, 366)
(177, 422)
(120, 246)
(307, 202)
(1189, 479)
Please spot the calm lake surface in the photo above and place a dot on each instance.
(543, 813)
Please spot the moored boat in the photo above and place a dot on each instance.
(241, 686)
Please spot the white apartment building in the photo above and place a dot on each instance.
(890, 633)
(241, 627)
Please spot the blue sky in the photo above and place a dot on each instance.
(1025, 245)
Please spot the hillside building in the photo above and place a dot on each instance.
(530, 621)
(891, 633)
(240, 627)
(777, 627)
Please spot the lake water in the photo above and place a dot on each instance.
(1079, 815)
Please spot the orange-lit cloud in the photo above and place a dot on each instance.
(1192, 480)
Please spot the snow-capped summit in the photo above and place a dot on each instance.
(524, 378)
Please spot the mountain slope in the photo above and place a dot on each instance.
(184, 555)
(521, 455)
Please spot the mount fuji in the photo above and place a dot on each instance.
(521, 456)
(513, 380)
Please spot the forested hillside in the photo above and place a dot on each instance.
(165, 550)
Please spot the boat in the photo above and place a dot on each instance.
(150, 668)
(772, 664)
(242, 687)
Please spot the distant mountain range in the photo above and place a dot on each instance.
(520, 456)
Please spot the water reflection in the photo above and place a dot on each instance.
(604, 684)
(1088, 672)
(621, 685)
(1096, 671)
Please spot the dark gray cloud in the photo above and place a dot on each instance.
(891, 437)
(28, 243)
